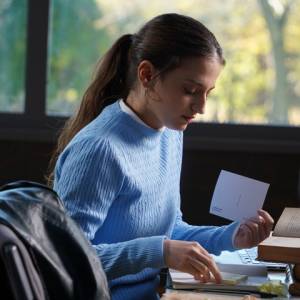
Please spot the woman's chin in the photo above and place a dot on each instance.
(179, 127)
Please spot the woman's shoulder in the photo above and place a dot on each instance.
(88, 150)
(101, 128)
(90, 144)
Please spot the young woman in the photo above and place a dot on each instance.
(119, 158)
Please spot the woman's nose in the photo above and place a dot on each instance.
(199, 105)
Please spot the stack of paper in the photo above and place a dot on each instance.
(187, 281)
(181, 280)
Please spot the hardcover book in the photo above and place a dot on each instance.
(284, 244)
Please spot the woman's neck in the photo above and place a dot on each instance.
(142, 108)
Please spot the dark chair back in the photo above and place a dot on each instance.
(19, 277)
(44, 253)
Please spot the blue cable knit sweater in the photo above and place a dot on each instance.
(119, 180)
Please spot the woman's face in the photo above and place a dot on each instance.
(182, 93)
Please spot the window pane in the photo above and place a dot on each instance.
(75, 45)
(13, 22)
(260, 83)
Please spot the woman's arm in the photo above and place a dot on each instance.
(132, 256)
(213, 238)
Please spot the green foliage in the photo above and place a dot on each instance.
(75, 45)
(82, 30)
(12, 54)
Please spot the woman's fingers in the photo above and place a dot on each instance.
(262, 225)
(252, 229)
(192, 258)
(201, 272)
(210, 265)
(203, 257)
(268, 220)
(256, 229)
(261, 228)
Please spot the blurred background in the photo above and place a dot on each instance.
(260, 38)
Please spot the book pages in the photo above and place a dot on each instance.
(288, 224)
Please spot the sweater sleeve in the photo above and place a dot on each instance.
(213, 238)
(88, 179)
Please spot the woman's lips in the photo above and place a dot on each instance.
(188, 119)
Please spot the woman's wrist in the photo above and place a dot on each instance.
(166, 249)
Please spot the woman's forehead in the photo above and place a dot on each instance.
(197, 70)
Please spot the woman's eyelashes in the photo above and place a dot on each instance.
(188, 91)
(196, 91)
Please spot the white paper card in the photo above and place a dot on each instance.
(237, 197)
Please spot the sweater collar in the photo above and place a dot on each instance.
(125, 108)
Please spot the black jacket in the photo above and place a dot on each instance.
(63, 258)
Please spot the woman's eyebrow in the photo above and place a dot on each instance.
(197, 82)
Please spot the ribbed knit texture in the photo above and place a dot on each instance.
(119, 180)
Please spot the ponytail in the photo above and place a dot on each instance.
(109, 84)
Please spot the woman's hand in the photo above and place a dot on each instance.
(254, 230)
(190, 257)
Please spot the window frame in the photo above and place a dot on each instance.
(34, 125)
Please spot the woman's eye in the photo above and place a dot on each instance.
(189, 92)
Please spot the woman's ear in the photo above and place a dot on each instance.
(146, 73)
(147, 77)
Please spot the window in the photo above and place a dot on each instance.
(75, 45)
(13, 20)
(51, 47)
(259, 85)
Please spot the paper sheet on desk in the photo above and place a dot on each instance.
(181, 280)
(237, 197)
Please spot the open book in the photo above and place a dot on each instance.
(284, 244)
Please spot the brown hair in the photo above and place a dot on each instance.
(164, 41)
